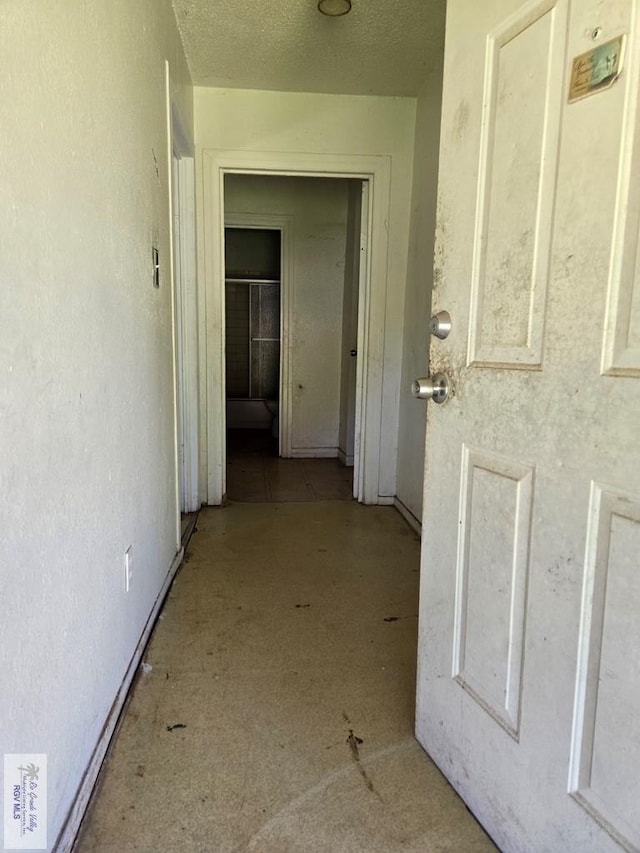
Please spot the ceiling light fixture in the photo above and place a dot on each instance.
(334, 8)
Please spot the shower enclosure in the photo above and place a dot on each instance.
(253, 339)
(252, 317)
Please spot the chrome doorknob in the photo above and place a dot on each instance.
(440, 325)
(434, 388)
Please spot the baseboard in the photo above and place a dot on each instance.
(189, 530)
(69, 832)
(345, 458)
(409, 517)
(385, 500)
(314, 452)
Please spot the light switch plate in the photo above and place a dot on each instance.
(155, 256)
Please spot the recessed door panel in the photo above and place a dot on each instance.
(519, 150)
(493, 551)
(605, 760)
(621, 351)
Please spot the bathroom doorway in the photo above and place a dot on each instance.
(292, 248)
(374, 422)
(253, 264)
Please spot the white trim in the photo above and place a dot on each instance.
(284, 224)
(184, 307)
(386, 500)
(174, 319)
(346, 460)
(364, 279)
(376, 170)
(412, 520)
(190, 401)
(71, 827)
(314, 453)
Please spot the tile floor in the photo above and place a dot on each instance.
(278, 713)
(255, 473)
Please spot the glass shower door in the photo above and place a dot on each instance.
(264, 310)
(252, 339)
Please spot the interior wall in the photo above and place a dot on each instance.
(87, 396)
(261, 121)
(318, 208)
(415, 351)
(252, 252)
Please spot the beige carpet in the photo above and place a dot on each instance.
(278, 713)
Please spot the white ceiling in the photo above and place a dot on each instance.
(382, 47)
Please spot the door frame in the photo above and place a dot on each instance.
(184, 307)
(284, 225)
(376, 171)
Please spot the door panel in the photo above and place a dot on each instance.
(604, 761)
(621, 351)
(519, 149)
(528, 680)
(492, 581)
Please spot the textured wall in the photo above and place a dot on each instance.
(86, 396)
(415, 354)
(319, 210)
(306, 123)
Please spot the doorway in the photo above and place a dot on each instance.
(374, 428)
(252, 340)
(292, 275)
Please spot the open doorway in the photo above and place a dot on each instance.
(375, 421)
(292, 270)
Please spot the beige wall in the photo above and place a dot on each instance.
(86, 398)
(331, 124)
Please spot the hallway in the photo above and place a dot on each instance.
(276, 712)
(255, 472)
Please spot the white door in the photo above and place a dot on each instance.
(529, 641)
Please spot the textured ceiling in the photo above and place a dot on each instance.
(382, 47)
